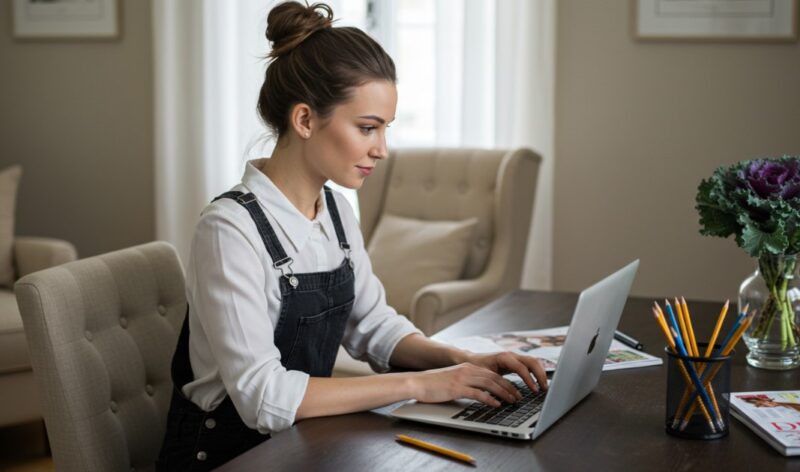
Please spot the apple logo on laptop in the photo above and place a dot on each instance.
(594, 340)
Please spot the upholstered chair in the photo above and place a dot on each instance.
(418, 192)
(20, 398)
(101, 333)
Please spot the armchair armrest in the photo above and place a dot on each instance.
(34, 254)
(438, 305)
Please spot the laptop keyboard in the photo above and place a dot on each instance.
(507, 414)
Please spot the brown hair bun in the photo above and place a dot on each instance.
(290, 23)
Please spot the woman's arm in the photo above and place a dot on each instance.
(419, 352)
(335, 396)
(460, 374)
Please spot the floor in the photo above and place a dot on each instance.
(23, 448)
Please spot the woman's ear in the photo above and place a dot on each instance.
(300, 120)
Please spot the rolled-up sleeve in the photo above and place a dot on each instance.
(228, 303)
(374, 328)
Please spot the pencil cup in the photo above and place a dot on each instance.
(692, 412)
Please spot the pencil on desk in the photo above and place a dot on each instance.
(433, 447)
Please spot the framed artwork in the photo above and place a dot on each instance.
(715, 20)
(66, 19)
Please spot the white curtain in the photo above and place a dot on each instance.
(493, 87)
(525, 112)
(208, 69)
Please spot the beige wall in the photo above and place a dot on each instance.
(78, 117)
(638, 125)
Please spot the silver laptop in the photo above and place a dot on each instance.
(579, 366)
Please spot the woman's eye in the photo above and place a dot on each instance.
(367, 129)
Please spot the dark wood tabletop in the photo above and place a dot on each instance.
(619, 426)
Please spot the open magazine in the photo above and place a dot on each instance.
(546, 345)
(775, 416)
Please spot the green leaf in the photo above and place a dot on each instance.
(757, 242)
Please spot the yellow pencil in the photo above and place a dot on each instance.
(662, 322)
(725, 351)
(684, 332)
(689, 325)
(702, 367)
(433, 447)
(720, 320)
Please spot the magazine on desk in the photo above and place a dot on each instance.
(546, 345)
(775, 416)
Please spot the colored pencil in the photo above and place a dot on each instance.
(663, 325)
(433, 447)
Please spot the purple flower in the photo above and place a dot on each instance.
(772, 179)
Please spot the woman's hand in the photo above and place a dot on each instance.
(465, 380)
(508, 362)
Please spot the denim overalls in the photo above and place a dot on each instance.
(314, 311)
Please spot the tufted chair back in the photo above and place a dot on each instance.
(495, 186)
(101, 333)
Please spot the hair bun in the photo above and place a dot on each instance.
(290, 23)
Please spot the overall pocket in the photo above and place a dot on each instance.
(317, 341)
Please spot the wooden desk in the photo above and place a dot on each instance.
(620, 426)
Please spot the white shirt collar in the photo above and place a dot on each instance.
(295, 225)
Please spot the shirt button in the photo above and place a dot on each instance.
(201, 456)
(149, 389)
(211, 423)
(123, 322)
(162, 310)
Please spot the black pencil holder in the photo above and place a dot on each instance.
(694, 415)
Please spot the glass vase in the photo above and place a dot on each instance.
(773, 292)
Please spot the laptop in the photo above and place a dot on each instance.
(579, 366)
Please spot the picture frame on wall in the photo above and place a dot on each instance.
(715, 20)
(66, 19)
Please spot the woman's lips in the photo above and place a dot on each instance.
(365, 171)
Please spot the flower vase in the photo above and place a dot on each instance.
(773, 293)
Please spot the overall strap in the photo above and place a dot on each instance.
(337, 221)
(274, 248)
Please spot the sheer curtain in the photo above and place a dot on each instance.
(474, 73)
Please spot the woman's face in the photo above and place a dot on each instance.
(348, 144)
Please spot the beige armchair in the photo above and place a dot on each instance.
(20, 399)
(495, 186)
(101, 332)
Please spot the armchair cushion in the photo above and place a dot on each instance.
(9, 178)
(408, 254)
(32, 254)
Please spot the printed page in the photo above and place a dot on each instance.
(546, 345)
(775, 412)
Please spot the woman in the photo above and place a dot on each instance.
(279, 277)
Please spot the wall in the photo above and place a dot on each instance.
(78, 116)
(638, 125)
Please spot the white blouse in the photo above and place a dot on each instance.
(234, 298)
